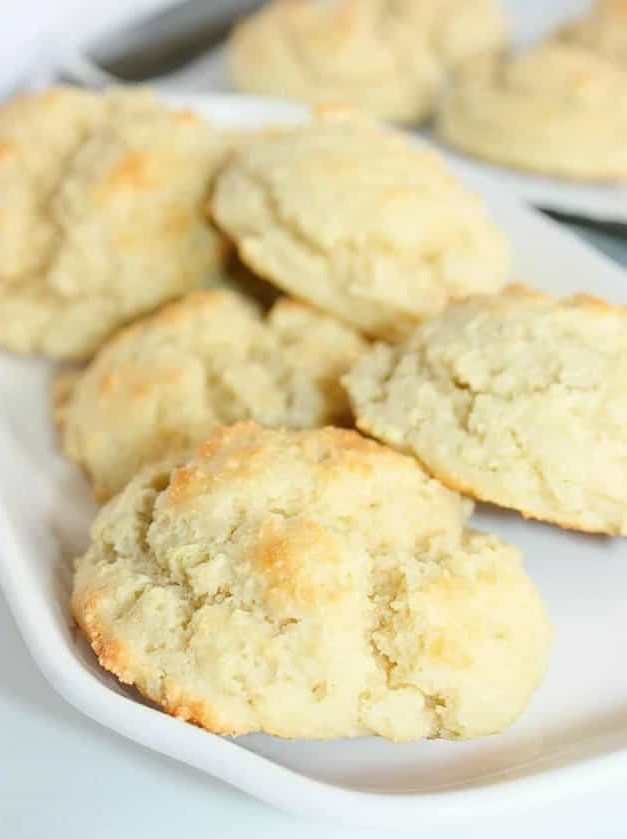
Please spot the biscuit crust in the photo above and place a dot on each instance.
(518, 399)
(310, 584)
(101, 215)
(359, 222)
(209, 359)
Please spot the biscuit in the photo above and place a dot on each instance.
(310, 584)
(558, 109)
(384, 56)
(603, 30)
(518, 399)
(358, 221)
(209, 359)
(101, 215)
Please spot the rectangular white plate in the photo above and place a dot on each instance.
(596, 202)
(575, 732)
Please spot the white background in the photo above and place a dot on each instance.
(64, 777)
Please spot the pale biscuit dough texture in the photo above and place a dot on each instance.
(310, 584)
(387, 57)
(210, 359)
(518, 399)
(603, 30)
(101, 215)
(358, 221)
(558, 109)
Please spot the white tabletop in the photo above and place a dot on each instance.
(64, 777)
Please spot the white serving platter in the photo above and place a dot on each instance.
(573, 736)
(596, 202)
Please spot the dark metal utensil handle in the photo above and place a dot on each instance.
(164, 42)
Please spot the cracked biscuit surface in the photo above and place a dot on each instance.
(360, 222)
(208, 359)
(310, 584)
(101, 215)
(517, 399)
(557, 109)
(387, 57)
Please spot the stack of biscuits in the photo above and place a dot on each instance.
(233, 308)
(557, 107)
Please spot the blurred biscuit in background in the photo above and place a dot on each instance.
(557, 109)
(603, 30)
(387, 57)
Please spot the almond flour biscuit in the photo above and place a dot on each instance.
(358, 221)
(603, 30)
(558, 109)
(310, 584)
(387, 57)
(101, 215)
(517, 399)
(209, 359)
